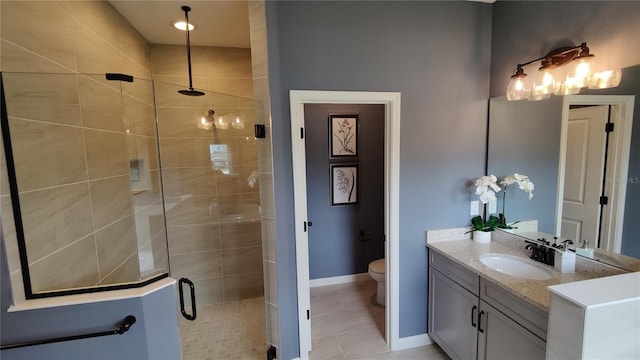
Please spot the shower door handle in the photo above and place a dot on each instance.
(192, 288)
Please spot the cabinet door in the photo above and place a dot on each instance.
(499, 337)
(453, 315)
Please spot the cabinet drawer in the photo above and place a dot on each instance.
(466, 278)
(527, 315)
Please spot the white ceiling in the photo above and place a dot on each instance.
(218, 23)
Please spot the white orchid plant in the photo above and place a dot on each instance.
(525, 184)
(486, 189)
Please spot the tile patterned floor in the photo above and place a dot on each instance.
(233, 330)
(346, 323)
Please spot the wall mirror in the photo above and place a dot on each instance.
(549, 142)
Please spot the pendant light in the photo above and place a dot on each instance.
(190, 91)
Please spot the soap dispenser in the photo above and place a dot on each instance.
(585, 250)
(565, 259)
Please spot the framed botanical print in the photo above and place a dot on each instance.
(343, 135)
(344, 184)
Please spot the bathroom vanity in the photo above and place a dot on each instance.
(476, 312)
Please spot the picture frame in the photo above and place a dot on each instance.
(344, 184)
(343, 136)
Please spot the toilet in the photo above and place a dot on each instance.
(377, 272)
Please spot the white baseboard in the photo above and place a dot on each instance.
(338, 279)
(412, 342)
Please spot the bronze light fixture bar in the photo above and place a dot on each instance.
(556, 79)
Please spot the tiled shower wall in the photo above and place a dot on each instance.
(259, 58)
(213, 218)
(87, 192)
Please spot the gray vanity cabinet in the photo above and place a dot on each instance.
(499, 337)
(470, 318)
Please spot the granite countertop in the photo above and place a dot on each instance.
(466, 253)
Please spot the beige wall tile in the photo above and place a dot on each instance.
(4, 176)
(175, 152)
(140, 116)
(195, 266)
(19, 59)
(94, 54)
(55, 217)
(134, 45)
(152, 196)
(106, 153)
(127, 272)
(110, 199)
(75, 266)
(149, 223)
(160, 252)
(182, 122)
(167, 95)
(47, 154)
(259, 51)
(208, 291)
(243, 286)
(139, 72)
(194, 238)
(242, 260)
(240, 234)
(101, 105)
(226, 201)
(256, 13)
(269, 239)
(49, 36)
(271, 274)
(17, 287)
(46, 97)
(231, 86)
(191, 210)
(189, 181)
(99, 16)
(229, 62)
(115, 243)
(146, 150)
(171, 60)
(140, 89)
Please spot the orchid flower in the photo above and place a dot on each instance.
(482, 188)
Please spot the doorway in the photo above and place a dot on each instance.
(391, 102)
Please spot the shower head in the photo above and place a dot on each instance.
(190, 91)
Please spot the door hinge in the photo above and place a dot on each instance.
(308, 315)
(604, 200)
(271, 353)
(301, 133)
(608, 127)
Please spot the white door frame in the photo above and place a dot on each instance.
(391, 100)
(618, 162)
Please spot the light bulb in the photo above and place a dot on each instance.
(605, 79)
(583, 71)
(181, 25)
(518, 88)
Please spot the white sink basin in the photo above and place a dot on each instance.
(514, 266)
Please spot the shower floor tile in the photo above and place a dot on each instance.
(230, 330)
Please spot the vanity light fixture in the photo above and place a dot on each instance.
(555, 78)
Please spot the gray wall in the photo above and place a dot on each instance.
(335, 244)
(525, 30)
(387, 46)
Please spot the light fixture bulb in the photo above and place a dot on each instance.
(518, 88)
(182, 25)
(605, 79)
(583, 71)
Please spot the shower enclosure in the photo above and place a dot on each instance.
(114, 182)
